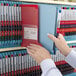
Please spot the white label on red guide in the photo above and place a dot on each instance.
(30, 33)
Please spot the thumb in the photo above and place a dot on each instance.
(52, 37)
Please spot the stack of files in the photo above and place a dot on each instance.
(10, 24)
(61, 64)
(66, 24)
(18, 63)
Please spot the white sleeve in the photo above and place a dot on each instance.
(71, 59)
(49, 68)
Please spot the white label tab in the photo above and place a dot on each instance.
(30, 33)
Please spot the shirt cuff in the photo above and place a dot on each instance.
(71, 58)
(47, 64)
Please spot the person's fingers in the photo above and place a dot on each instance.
(32, 47)
(32, 54)
(52, 37)
(37, 47)
(30, 51)
(61, 37)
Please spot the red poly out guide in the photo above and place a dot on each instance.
(30, 25)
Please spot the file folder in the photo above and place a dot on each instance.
(30, 26)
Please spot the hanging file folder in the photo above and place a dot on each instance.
(29, 24)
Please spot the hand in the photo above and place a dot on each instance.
(38, 53)
(60, 44)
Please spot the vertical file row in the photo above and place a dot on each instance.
(66, 24)
(18, 63)
(61, 64)
(10, 25)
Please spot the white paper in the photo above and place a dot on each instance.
(23, 62)
(15, 63)
(3, 65)
(12, 63)
(9, 64)
(19, 62)
(10, 12)
(30, 33)
(17, 13)
(68, 14)
(2, 13)
(20, 14)
(13, 13)
(7, 13)
(0, 66)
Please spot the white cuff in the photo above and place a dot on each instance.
(46, 65)
(71, 58)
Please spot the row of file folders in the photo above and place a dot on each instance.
(10, 25)
(18, 63)
(14, 18)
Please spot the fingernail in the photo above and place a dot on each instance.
(49, 34)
